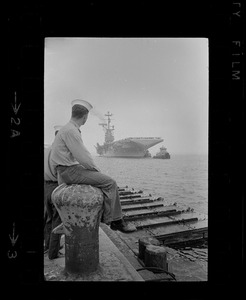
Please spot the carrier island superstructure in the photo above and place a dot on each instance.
(128, 147)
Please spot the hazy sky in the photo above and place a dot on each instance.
(154, 87)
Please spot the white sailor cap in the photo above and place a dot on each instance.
(57, 127)
(83, 103)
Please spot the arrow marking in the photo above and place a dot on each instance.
(15, 107)
(13, 239)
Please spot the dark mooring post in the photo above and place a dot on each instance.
(156, 256)
(143, 243)
(80, 208)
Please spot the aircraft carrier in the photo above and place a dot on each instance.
(135, 147)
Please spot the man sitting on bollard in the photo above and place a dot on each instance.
(52, 218)
(73, 164)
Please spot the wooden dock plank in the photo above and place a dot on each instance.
(163, 221)
(149, 213)
(129, 192)
(142, 206)
(122, 193)
(186, 215)
(171, 229)
(179, 235)
(172, 224)
(136, 200)
(150, 209)
(199, 224)
(184, 242)
(130, 196)
(180, 232)
(138, 212)
(123, 187)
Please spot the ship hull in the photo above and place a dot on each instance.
(162, 157)
(128, 148)
(124, 155)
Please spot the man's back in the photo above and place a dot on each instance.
(61, 154)
(68, 149)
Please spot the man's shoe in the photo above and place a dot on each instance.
(59, 255)
(122, 226)
(58, 229)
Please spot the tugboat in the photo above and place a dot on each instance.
(162, 154)
(135, 147)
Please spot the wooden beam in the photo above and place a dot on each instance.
(136, 200)
(138, 206)
(182, 233)
(150, 214)
(136, 195)
(184, 242)
(164, 221)
(122, 193)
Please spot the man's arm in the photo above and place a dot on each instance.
(80, 153)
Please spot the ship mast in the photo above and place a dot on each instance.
(109, 137)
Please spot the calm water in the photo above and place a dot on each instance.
(182, 179)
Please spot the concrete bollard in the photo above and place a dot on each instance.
(80, 208)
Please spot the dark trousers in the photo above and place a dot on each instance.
(52, 219)
(76, 174)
